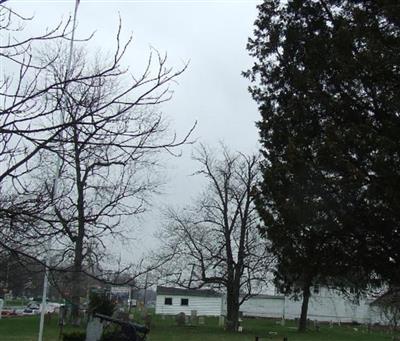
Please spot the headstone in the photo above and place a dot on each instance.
(1, 306)
(221, 321)
(180, 319)
(193, 317)
(316, 325)
(62, 315)
(94, 330)
(240, 329)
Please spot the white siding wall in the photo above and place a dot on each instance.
(325, 306)
(330, 306)
(205, 306)
(263, 307)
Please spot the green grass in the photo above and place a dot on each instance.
(164, 330)
(26, 329)
(16, 303)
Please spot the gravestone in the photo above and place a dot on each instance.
(1, 306)
(221, 321)
(180, 319)
(193, 317)
(94, 329)
(316, 325)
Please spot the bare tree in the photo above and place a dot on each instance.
(107, 140)
(23, 88)
(23, 134)
(109, 151)
(215, 241)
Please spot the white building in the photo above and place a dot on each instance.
(172, 301)
(325, 305)
(328, 305)
(271, 306)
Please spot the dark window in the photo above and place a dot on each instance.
(168, 301)
(184, 301)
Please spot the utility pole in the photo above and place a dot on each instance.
(55, 184)
(145, 289)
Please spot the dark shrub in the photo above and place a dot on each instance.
(74, 336)
(101, 304)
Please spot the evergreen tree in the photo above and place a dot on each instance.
(326, 79)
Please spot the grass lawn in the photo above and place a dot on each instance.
(26, 329)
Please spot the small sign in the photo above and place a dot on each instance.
(120, 290)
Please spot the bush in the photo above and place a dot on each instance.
(74, 336)
(111, 335)
(101, 304)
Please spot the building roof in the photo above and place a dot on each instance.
(390, 298)
(274, 297)
(187, 292)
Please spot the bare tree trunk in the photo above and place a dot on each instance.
(232, 307)
(304, 308)
(78, 256)
(76, 284)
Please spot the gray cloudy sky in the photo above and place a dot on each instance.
(212, 35)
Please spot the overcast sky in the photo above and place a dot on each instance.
(212, 36)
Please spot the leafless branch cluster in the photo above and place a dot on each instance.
(215, 241)
(79, 146)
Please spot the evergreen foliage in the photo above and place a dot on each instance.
(326, 79)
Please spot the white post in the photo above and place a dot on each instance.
(145, 290)
(44, 298)
(284, 310)
(130, 300)
(57, 176)
(1, 306)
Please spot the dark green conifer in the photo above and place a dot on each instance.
(326, 78)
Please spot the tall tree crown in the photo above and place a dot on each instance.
(326, 78)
